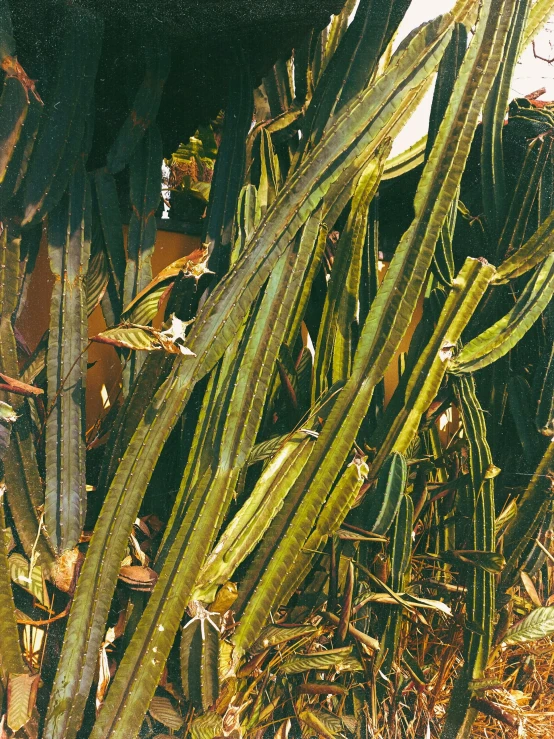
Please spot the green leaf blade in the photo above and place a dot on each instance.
(537, 625)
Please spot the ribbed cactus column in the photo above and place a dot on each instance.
(68, 249)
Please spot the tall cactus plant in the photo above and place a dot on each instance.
(310, 528)
(69, 233)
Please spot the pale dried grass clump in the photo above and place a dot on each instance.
(527, 694)
(518, 705)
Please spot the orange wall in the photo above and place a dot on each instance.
(106, 369)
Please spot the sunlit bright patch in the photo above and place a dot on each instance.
(32, 645)
(445, 419)
(105, 397)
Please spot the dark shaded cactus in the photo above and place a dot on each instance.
(145, 106)
(62, 133)
(24, 489)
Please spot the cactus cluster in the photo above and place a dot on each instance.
(275, 550)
